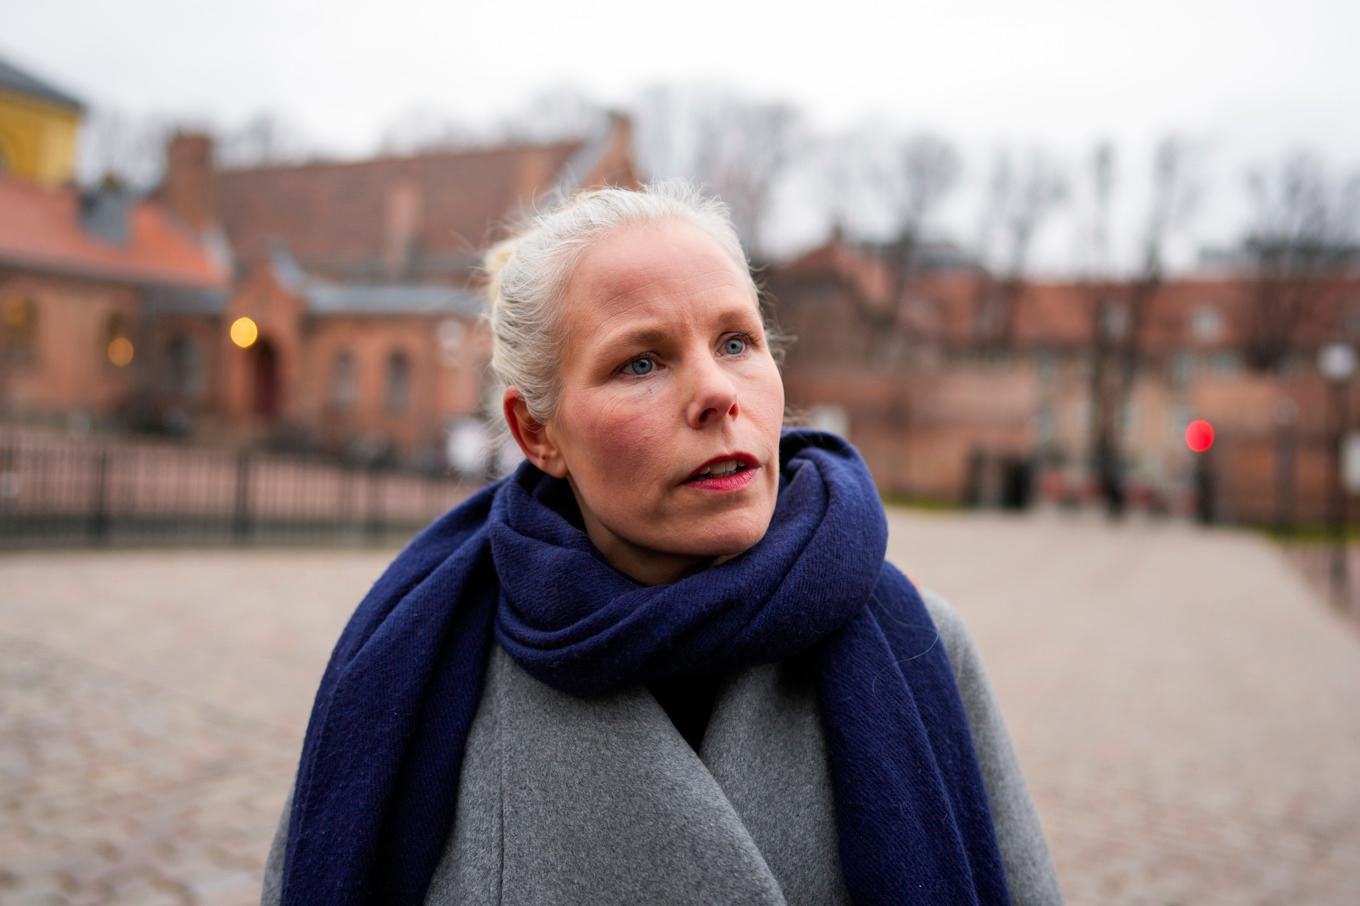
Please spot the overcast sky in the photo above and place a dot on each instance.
(1248, 79)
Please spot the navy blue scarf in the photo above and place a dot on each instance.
(377, 782)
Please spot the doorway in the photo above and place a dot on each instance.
(264, 371)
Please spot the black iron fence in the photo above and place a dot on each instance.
(1332, 570)
(62, 492)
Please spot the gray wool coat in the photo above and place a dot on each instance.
(569, 801)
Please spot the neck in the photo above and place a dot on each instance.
(646, 566)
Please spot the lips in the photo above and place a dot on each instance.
(725, 465)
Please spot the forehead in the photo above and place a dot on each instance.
(652, 269)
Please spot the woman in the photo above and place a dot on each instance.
(665, 660)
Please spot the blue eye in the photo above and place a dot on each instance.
(734, 346)
(640, 366)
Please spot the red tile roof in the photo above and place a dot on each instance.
(334, 218)
(863, 273)
(943, 305)
(41, 228)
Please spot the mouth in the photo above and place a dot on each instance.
(726, 472)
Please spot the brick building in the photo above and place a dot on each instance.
(361, 281)
(324, 306)
(77, 267)
(941, 413)
(38, 125)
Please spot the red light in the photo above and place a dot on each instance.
(1199, 435)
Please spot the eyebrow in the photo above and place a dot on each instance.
(652, 336)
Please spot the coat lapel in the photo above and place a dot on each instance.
(565, 800)
(604, 802)
(764, 746)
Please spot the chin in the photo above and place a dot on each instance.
(736, 534)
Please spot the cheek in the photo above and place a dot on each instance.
(625, 437)
(766, 401)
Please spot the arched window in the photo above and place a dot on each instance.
(344, 381)
(117, 344)
(398, 381)
(183, 367)
(18, 329)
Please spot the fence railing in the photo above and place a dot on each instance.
(1317, 562)
(62, 492)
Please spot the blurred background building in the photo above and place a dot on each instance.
(961, 386)
(331, 307)
(322, 307)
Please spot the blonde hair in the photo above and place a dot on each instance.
(527, 273)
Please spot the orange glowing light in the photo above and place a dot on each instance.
(244, 332)
(120, 351)
(1199, 435)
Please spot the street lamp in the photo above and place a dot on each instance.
(1336, 362)
(1199, 437)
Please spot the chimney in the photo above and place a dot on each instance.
(401, 229)
(621, 170)
(188, 186)
(621, 124)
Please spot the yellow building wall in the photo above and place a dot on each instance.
(37, 139)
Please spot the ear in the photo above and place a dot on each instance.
(532, 435)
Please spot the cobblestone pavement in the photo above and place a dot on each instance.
(1184, 707)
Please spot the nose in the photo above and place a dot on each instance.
(714, 395)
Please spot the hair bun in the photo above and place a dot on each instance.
(494, 261)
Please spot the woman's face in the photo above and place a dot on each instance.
(666, 371)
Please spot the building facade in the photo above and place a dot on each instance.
(331, 307)
(38, 127)
(943, 412)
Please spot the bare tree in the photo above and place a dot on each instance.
(131, 149)
(554, 114)
(737, 148)
(262, 139)
(128, 149)
(900, 182)
(1108, 327)
(1120, 311)
(560, 112)
(422, 128)
(842, 159)
(1302, 234)
(1019, 200)
(927, 172)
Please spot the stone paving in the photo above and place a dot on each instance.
(1185, 708)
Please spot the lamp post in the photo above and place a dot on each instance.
(1336, 362)
(1199, 437)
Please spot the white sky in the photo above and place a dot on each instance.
(1249, 79)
